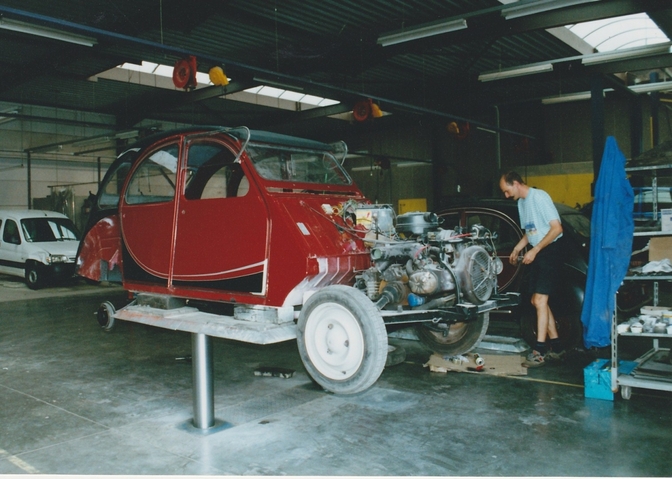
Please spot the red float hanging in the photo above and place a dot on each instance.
(184, 73)
(362, 110)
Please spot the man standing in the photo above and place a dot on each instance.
(541, 222)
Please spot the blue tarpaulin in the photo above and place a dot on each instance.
(611, 230)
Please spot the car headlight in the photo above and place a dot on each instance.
(57, 258)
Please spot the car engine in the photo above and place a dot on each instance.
(421, 266)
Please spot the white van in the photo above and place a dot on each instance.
(37, 245)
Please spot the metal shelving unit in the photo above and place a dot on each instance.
(628, 381)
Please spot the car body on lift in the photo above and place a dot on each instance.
(501, 215)
(40, 246)
(206, 220)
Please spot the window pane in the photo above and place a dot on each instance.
(112, 188)
(211, 173)
(154, 180)
(304, 167)
(11, 233)
(37, 230)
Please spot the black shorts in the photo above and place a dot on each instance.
(545, 269)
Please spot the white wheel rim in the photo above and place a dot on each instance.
(334, 341)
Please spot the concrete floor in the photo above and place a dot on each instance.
(78, 400)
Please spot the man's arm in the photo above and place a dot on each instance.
(513, 257)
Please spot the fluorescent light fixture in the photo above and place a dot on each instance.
(583, 95)
(516, 72)
(566, 98)
(649, 87)
(523, 8)
(629, 53)
(422, 31)
(12, 111)
(46, 32)
(125, 135)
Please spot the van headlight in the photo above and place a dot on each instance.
(57, 258)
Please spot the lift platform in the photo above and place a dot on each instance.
(250, 324)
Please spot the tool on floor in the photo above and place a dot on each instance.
(274, 372)
(478, 360)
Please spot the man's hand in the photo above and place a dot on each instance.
(530, 255)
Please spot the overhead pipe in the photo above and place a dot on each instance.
(181, 52)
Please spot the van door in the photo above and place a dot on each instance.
(12, 260)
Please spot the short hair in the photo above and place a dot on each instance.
(512, 176)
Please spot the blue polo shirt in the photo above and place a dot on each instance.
(536, 213)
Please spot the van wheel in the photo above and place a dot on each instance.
(33, 275)
(342, 339)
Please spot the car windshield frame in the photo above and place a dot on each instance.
(48, 229)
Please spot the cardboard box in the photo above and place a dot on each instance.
(597, 378)
(660, 247)
(666, 219)
(494, 364)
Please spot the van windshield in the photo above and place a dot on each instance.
(40, 230)
(284, 164)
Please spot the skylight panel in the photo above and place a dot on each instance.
(616, 33)
(160, 76)
(270, 91)
(292, 96)
(312, 100)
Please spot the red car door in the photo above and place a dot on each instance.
(222, 223)
(147, 212)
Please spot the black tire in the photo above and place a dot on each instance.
(34, 275)
(395, 355)
(454, 339)
(342, 340)
(105, 316)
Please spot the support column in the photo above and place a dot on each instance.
(636, 130)
(654, 97)
(203, 384)
(29, 181)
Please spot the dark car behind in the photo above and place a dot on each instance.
(501, 216)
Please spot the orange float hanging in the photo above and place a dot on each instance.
(458, 131)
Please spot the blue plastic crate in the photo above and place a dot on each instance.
(597, 378)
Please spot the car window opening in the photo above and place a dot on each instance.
(276, 163)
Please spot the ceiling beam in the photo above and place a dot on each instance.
(162, 101)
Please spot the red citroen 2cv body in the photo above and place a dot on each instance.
(272, 227)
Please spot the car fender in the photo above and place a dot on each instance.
(38, 255)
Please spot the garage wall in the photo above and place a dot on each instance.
(57, 176)
(460, 167)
